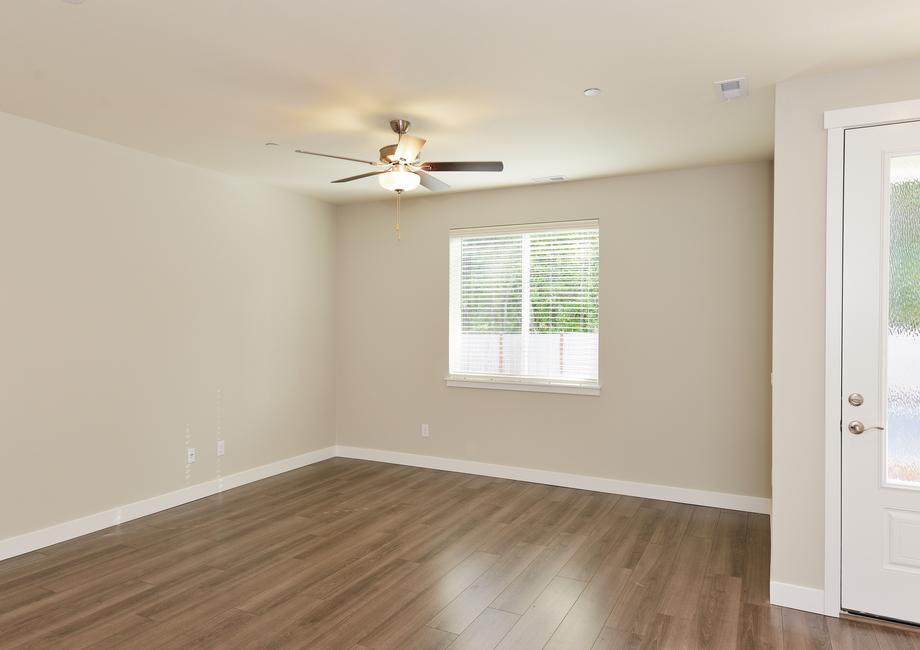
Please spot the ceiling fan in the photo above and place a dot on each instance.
(401, 167)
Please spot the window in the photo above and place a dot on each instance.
(523, 307)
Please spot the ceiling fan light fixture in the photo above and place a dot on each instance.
(400, 168)
(399, 180)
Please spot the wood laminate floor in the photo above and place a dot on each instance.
(354, 554)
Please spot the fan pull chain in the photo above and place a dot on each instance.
(398, 194)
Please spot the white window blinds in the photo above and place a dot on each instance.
(524, 303)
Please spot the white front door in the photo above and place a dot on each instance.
(880, 391)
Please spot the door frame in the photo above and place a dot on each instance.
(836, 122)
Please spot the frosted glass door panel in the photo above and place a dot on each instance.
(903, 411)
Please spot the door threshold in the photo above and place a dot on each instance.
(881, 621)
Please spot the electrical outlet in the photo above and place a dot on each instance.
(220, 447)
(425, 433)
(191, 455)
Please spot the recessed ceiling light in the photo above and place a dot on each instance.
(271, 144)
(74, 2)
(592, 92)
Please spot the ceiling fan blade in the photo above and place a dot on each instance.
(327, 155)
(409, 147)
(481, 166)
(432, 183)
(354, 178)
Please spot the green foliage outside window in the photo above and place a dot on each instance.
(563, 283)
(490, 269)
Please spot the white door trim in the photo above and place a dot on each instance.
(836, 122)
(876, 115)
(833, 325)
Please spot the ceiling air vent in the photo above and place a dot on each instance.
(730, 89)
(549, 179)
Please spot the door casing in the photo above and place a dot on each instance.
(835, 123)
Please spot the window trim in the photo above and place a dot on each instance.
(537, 226)
(514, 382)
(502, 382)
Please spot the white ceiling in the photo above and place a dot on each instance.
(210, 81)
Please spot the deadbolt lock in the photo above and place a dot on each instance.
(855, 399)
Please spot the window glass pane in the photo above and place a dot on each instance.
(490, 304)
(563, 304)
(903, 417)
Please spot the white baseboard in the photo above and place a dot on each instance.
(744, 503)
(35, 540)
(807, 599)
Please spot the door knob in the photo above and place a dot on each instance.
(857, 427)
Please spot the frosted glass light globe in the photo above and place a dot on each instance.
(399, 180)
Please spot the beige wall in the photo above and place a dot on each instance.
(798, 306)
(132, 290)
(145, 300)
(685, 332)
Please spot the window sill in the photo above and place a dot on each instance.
(459, 381)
